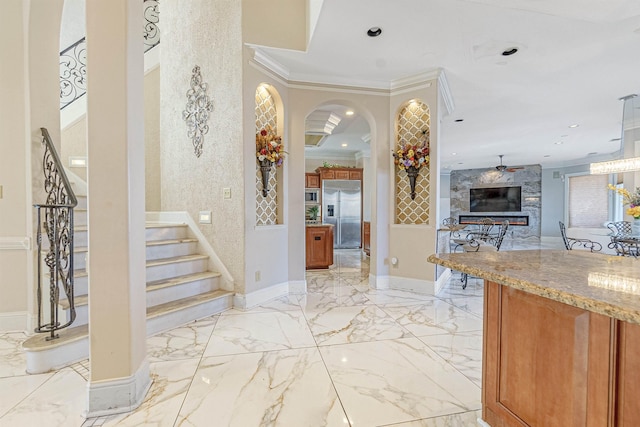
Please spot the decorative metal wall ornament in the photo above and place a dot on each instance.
(412, 173)
(265, 169)
(197, 111)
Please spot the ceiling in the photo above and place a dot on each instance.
(575, 59)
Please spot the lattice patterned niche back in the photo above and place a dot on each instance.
(266, 115)
(413, 120)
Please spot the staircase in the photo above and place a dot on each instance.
(180, 288)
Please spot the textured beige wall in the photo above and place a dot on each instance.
(152, 140)
(74, 139)
(14, 171)
(207, 34)
(276, 23)
(74, 144)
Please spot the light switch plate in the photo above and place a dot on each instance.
(226, 193)
(0, 191)
(204, 217)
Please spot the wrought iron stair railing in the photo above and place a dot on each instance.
(55, 216)
(73, 60)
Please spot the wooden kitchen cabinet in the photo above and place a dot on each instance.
(355, 174)
(312, 180)
(366, 237)
(551, 364)
(319, 246)
(340, 173)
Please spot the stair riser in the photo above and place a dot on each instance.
(184, 290)
(82, 315)
(174, 319)
(80, 260)
(167, 271)
(80, 217)
(80, 238)
(171, 250)
(165, 233)
(82, 202)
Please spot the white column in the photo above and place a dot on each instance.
(115, 178)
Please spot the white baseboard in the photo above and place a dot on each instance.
(298, 287)
(16, 321)
(120, 395)
(402, 283)
(482, 423)
(442, 280)
(252, 299)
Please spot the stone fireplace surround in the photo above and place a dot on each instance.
(529, 178)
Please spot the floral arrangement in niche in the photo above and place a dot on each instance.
(628, 198)
(413, 155)
(269, 146)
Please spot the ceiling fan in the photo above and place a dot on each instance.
(503, 168)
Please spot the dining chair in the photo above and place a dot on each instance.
(621, 240)
(570, 242)
(492, 244)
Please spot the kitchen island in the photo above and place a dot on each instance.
(319, 246)
(561, 336)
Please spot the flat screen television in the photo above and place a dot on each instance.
(496, 199)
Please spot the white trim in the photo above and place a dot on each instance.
(227, 282)
(417, 80)
(482, 423)
(419, 286)
(252, 299)
(445, 92)
(119, 395)
(298, 287)
(270, 227)
(15, 243)
(270, 64)
(442, 280)
(14, 321)
(378, 282)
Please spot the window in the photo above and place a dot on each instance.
(588, 200)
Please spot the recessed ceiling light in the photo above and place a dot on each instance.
(558, 143)
(349, 112)
(454, 154)
(374, 31)
(460, 163)
(509, 51)
(345, 145)
(547, 155)
(575, 125)
(459, 120)
(593, 153)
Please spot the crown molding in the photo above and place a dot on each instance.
(358, 86)
(270, 64)
(445, 92)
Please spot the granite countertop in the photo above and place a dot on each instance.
(604, 284)
(319, 225)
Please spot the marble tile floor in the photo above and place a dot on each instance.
(341, 355)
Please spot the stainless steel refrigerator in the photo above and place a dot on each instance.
(341, 207)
